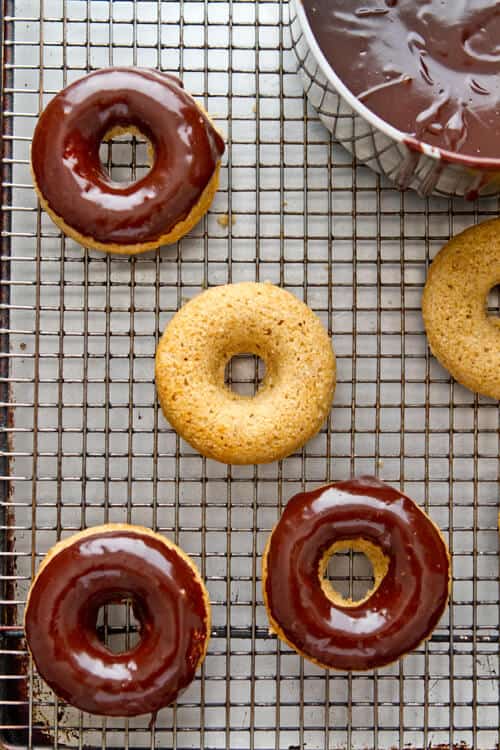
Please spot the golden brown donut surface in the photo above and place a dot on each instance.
(73, 186)
(461, 334)
(108, 564)
(411, 566)
(294, 398)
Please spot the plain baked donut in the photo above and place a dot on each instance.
(461, 334)
(108, 564)
(294, 398)
(411, 567)
(158, 208)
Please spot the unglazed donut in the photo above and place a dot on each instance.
(157, 209)
(294, 398)
(411, 567)
(99, 566)
(461, 334)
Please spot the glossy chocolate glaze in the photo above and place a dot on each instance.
(431, 68)
(67, 168)
(402, 611)
(168, 601)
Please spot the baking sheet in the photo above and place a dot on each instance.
(88, 443)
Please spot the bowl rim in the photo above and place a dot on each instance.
(435, 152)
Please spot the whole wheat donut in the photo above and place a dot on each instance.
(157, 209)
(461, 334)
(411, 567)
(294, 397)
(107, 564)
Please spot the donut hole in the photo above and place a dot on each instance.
(244, 373)
(493, 304)
(118, 627)
(126, 155)
(351, 571)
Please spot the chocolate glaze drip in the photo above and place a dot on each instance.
(67, 168)
(396, 617)
(431, 68)
(168, 601)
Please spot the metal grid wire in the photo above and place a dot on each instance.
(84, 441)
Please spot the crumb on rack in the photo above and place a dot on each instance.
(224, 220)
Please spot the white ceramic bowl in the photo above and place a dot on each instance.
(405, 161)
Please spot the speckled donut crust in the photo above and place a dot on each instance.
(461, 334)
(294, 397)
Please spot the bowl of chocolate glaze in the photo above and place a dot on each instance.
(411, 87)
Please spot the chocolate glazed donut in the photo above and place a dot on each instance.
(108, 564)
(411, 570)
(156, 209)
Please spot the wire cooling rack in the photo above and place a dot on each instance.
(83, 440)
